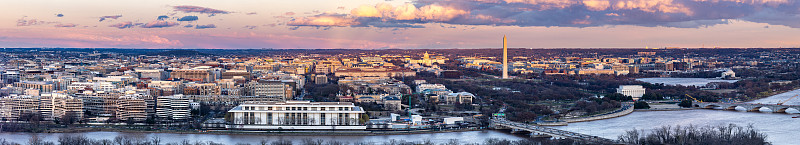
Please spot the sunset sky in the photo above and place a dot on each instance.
(373, 24)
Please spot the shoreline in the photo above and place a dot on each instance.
(565, 122)
(668, 109)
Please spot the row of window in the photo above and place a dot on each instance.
(297, 119)
(298, 108)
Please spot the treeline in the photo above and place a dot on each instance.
(659, 90)
(122, 140)
(691, 135)
(596, 105)
(701, 74)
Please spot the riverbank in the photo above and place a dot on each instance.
(625, 110)
(628, 109)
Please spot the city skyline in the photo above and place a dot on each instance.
(405, 24)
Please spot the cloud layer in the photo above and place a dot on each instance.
(103, 18)
(122, 25)
(198, 9)
(159, 24)
(65, 25)
(563, 13)
(188, 18)
(205, 26)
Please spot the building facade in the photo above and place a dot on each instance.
(296, 115)
(174, 107)
(635, 91)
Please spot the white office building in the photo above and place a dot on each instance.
(175, 107)
(635, 91)
(296, 115)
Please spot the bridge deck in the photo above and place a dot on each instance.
(553, 132)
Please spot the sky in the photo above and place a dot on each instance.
(404, 24)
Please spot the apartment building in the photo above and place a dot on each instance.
(174, 107)
(131, 108)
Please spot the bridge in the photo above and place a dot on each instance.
(540, 131)
(747, 106)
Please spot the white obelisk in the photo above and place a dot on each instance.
(505, 58)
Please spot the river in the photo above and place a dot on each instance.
(463, 137)
(700, 82)
(780, 127)
(780, 98)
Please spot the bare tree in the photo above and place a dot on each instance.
(155, 140)
(709, 135)
(308, 141)
(282, 142)
(264, 142)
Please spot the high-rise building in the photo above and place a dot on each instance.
(505, 58)
(192, 74)
(174, 107)
(131, 107)
(57, 105)
(269, 88)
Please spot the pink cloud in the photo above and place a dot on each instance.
(43, 37)
(198, 9)
(102, 18)
(24, 22)
(122, 25)
(65, 25)
(324, 20)
(160, 24)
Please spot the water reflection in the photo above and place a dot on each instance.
(463, 137)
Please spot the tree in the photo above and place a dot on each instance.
(709, 135)
(641, 105)
(652, 96)
(363, 119)
(618, 97)
(69, 118)
(685, 103)
(150, 121)
(155, 140)
(130, 121)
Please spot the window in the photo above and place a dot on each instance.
(269, 117)
(305, 118)
(322, 118)
(322, 109)
(347, 119)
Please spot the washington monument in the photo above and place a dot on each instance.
(505, 58)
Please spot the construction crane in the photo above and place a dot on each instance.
(787, 100)
(693, 98)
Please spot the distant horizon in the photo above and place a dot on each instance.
(650, 48)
